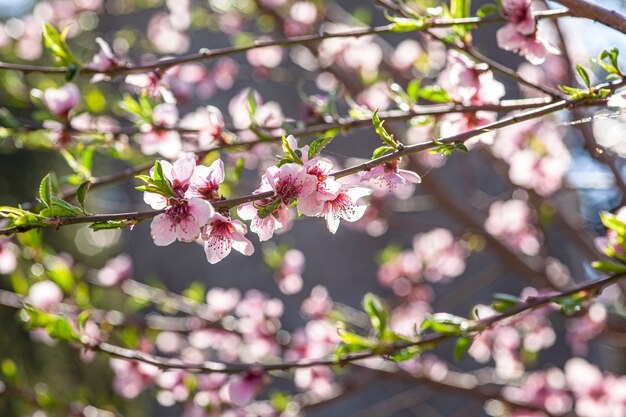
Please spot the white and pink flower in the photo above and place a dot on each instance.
(205, 181)
(522, 33)
(160, 137)
(388, 177)
(345, 206)
(326, 187)
(222, 234)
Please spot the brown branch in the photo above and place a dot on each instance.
(429, 339)
(587, 10)
(403, 151)
(207, 54)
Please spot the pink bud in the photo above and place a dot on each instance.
(61, 100)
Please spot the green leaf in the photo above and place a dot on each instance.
(356, 341)
(502, 302)
(290, 153)
(405, 354)
(59, 50)
(81, 192)
(609, 267)
(382, 132)
(62, 329)
(379, 316)
(378, 152)
(252, 103)
(571, 304)
(82, 318)
(403, 24)
(487, 9)
(435, 94)
(45, 191)
(264, 210)
(445, 323)
(461, 347)
(108, 225)
(413, 89)
(196, 292)
(612, 222)
(317, 145)
(583, 74)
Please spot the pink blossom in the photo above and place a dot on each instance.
(132, 377)
(617, 100)
(519, 13)
(318, 304)
(390, 178)
(222, 301)
(345, 206)
(115, 271)
(290, 182)
(326, 188)
(442, 255)
(182, 220)
(544, 390)
(151, 84)
(205, 181)
(317, 379)
(44, 295)
(8, 261)
(222, 234)
(103, 61)
(60, 101)
(265, 58)
(289, 274)
(209, 123)
(468, 82)
(533, 47)
(183, 217)
(510, 221)
(240, 390)
(179, 176)
(264, 226)
(158, 138)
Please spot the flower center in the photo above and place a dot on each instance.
(178, 210)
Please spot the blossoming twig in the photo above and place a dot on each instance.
(207, 54)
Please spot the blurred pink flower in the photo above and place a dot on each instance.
(44, 295)
(60, 101)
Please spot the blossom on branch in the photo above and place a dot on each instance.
(222, 234)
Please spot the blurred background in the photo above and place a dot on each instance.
(347, 263)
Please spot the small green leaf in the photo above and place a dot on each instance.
(609, 267)
(379, 316)
(487, 9)
(434, 93)
(445, 323)
(317, 145)
(405, 354)
(572, 304)
(403, 24)
(81, 192)
(264, 210)
(45, 191)
(462, 346)
(502, 302)
(382, 132)
(82, 318)
(413, 89)
(57, 46)
(108, 225)
(583, 74)
(290, 153)
(62, 329)
(380, 151)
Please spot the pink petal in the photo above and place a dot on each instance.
(162, 230)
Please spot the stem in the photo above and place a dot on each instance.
(426, 340)
(207, 54)
(407, 150)
(584, 9)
